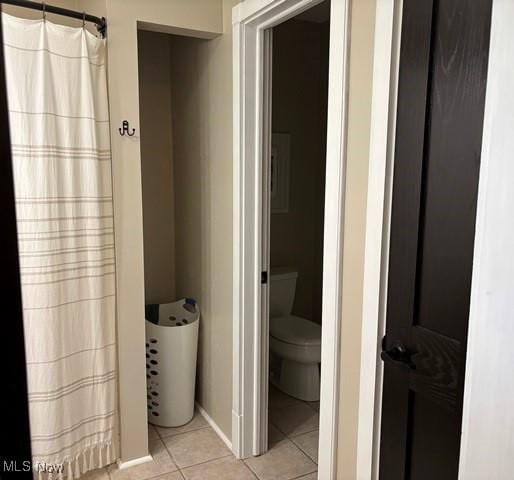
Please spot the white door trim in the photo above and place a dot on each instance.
(250, 19)
(386, 62)
(335, 185)
(261, 430)
(487, 444)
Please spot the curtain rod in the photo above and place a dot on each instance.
(101, 24)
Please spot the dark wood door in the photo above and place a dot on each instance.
(442, 79)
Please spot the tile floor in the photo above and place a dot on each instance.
(195, 452)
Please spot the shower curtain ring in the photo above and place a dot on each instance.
(83, 19)
(44, 11)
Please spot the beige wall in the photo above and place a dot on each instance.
(93, 7)
(359, 117)
(198, 17)
(300, 88)
(202, 125)
(157, 166)
(34, 14)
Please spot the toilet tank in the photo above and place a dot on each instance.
(282, 290)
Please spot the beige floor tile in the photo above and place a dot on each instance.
(274, 435)
(170, 476)
(311, 476)
(308, 443)
(227, 468)
(278, 399)
(295, 419)
(284, 461)
(161, 464)
(98, 474)
(195, 447)
(152, 433)
(195, 424)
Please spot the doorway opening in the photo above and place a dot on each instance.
(293, 228)
(253, 67)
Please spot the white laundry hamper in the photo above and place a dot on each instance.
(171, 352)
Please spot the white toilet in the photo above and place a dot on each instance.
(295, 340)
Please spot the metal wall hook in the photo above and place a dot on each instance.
(124, 130)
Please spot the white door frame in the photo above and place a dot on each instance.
(386, 63)
(487, 444)
(250, 21)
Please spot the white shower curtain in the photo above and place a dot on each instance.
(59, 119)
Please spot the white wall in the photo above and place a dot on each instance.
(487, 449)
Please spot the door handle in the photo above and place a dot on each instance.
(398, 355)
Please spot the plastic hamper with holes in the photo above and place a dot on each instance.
(171, 348)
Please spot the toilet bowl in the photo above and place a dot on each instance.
(296, 341)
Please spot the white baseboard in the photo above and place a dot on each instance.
(237, 428)
(214, 426)
(134, 462)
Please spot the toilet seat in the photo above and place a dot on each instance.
(295, 330)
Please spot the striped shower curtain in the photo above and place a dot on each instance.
(59, 119)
